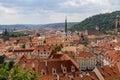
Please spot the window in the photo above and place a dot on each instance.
(53, 71)
(33, 68)
(41, 54)
(29, 53)
(17, 54)
(64, 70)
(72, 69)
(43, 72)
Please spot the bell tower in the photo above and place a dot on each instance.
(117, 25)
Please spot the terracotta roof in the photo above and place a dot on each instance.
(48, 77)
(86, 55)
(60, 56)
(43, 48)
(24, 50)
(77, 78)
(109, 73)
(113, 56)
(94, 32)
(46, 65)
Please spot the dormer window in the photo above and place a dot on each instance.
(64, 70)
(43, 72)
(53, 71)
(72, 69)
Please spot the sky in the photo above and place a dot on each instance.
(52, 11)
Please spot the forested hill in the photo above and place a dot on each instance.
(104, 21)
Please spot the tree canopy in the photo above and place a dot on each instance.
(103, 21)
(10, 71)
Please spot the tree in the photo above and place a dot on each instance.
(57, 49)
(104, 21)
(4, 71)
(8, 71)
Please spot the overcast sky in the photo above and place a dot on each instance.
(52, 11)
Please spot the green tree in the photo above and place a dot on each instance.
(4, 71)
(8, 71)
(57, 49)
(103, 21)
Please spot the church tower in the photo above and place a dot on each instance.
(117, 25)
(65, 30)
(66, 26)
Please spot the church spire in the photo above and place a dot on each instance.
(66, 26)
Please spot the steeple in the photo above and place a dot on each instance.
(66, 26)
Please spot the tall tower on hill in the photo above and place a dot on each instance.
(117, 25)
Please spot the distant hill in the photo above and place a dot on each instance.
(59, 25)
(53, 25)
(17, 26)
(104, 21)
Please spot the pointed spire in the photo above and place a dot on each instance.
(66, 26)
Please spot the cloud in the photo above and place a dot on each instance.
(50, 11)
(6, 9)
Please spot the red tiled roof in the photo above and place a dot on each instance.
(47, 65)
(109, 73)
(85, 55)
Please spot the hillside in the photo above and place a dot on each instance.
(104, 21)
